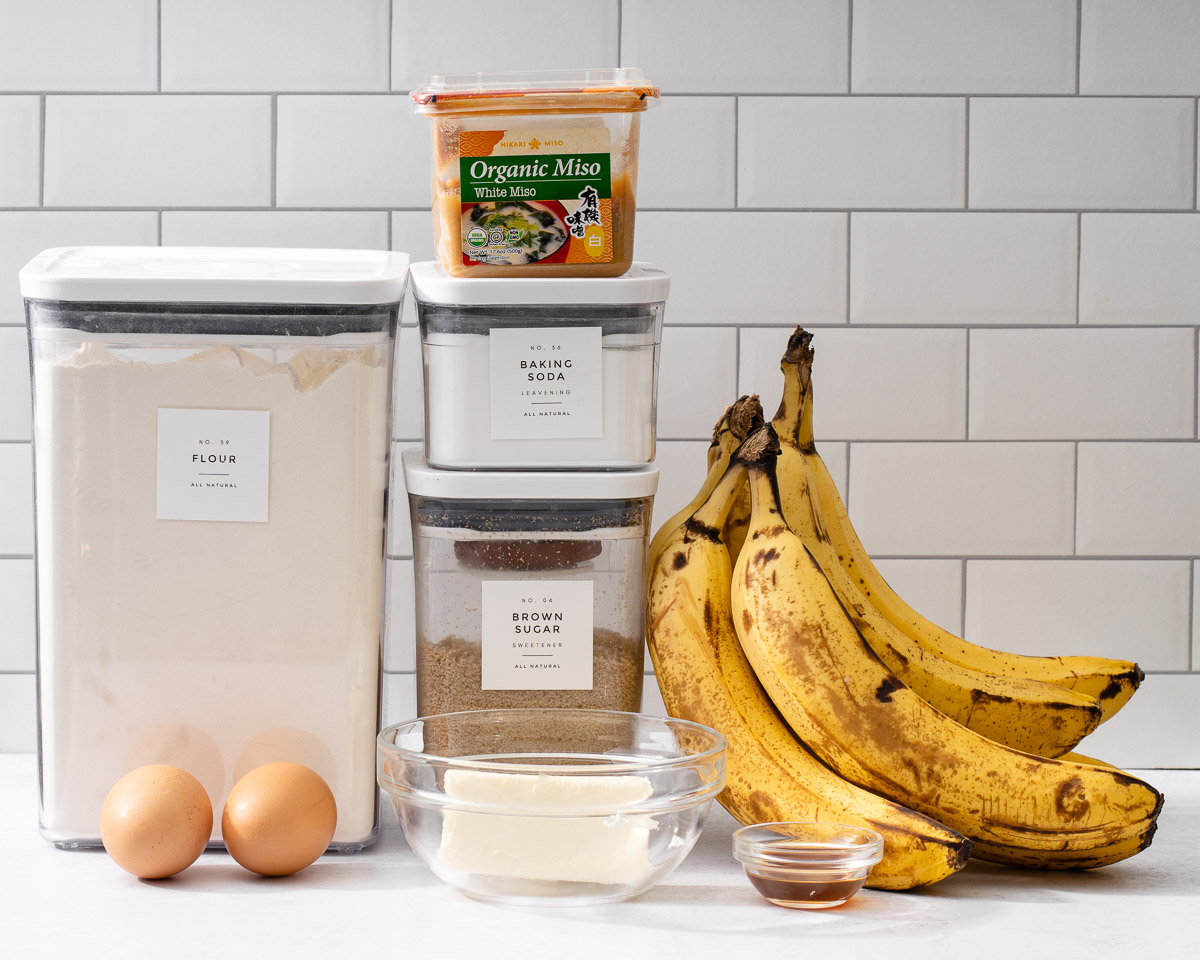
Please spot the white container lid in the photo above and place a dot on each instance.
(215, 275)
(426, 481)
(641, 283)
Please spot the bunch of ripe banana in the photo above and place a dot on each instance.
(768, 621)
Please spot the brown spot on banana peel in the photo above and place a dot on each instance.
(702, 531)
(1070, 799)
(680, 560)
(883, 693)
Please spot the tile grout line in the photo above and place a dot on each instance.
(967, 155)
(1078, 262)
(274, 149)
(1075, 501)
(1195, 158)
(390, 45)
(1196, 380)
(737, 136)
(962, 613)
(42, 153)
(158, 42)
(1079, 40)
(850, 47)
(620, 31)
(849, 247)
(967, 379)
(1192, 616)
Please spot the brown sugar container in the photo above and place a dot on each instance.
(535, 173)
(530, 586)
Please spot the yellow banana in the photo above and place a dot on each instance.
(1028, 715)
(740, 419)
(858, 717)
(1111, 682)
(704, 676)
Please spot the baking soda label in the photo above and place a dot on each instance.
(537, 634)
(213, 465)
(536, 196)
(546, 383)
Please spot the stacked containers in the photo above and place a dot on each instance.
(211, 434)
(531, 505)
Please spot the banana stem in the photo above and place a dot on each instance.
(794, 416)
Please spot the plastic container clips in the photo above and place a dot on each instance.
(211, 431)
(540, 373)
(535, 174)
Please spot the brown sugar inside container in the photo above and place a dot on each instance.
(530, 586)
(535, 173)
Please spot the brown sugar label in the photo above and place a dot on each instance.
(537, 634)
(536, 196)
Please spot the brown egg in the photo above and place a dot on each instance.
(278, 819)
(156, 821)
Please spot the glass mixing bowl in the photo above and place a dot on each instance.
(544, 806)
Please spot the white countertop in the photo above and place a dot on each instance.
(383, 903)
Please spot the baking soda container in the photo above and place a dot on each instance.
(535, 173)
(211, 434)
(530, 586)
(543, 373)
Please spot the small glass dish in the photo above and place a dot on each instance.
(551, 807)
(807, 866)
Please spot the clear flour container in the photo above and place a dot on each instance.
(540, 373)
(211, 433)
(530, 587)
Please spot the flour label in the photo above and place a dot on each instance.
(546, 383)
(537, 634)
(213, 465)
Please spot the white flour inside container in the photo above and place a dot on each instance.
(212, 645)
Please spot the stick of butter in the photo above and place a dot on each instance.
(596, 846)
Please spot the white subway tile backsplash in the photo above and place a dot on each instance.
(412, 233)
(335, 229)
(430, 38)
(1148, 47)
(921, 186)
(251, 45)
(964, 46)
(1139, 499)
(674, 170)
(1157, 728)
(399, 525)
(962, 268)
(962, 499)
(1139, 268)
(78, 45)
(773, 267)
(351, 151)
(1062, 153)
(1125, 609)
(682, 467)
(24, 234)
(20, 151)
(932, 587)
(16, 505)
(850, 152)
(1095, 384)
(878, 384)
(400, 651)
(17, 640)
(14, 385)
(149, 151)
(697, 376)
(399, 697)
(18, 713)
(408, 392)
(652, 701)
(711, 46)
(836, 457)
